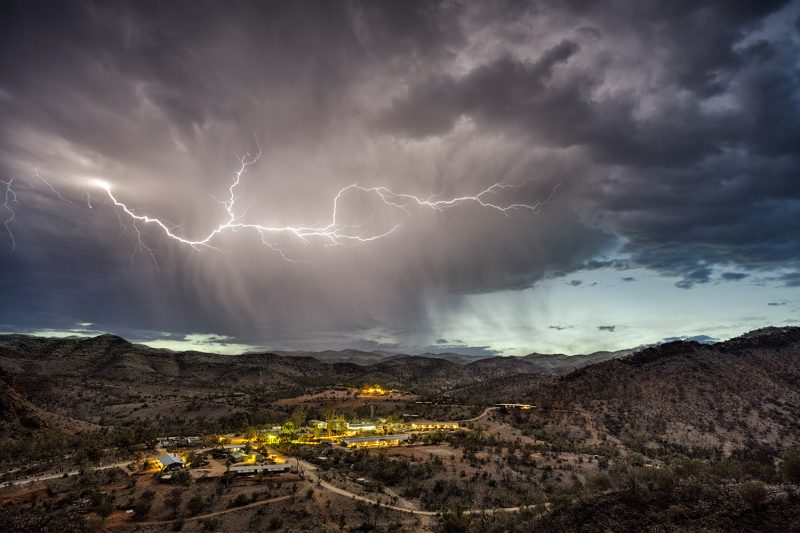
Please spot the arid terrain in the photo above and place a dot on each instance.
(675, 437)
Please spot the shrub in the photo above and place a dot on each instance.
(753, 493)
(141, 508)
(790, 469)
(196, 504)
(240, 500)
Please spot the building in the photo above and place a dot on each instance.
(280, 468)
(427, 426)
(377, 441)
(524, 406)
(164, 443)
(354, 429)
(170, 461)
(238, 457)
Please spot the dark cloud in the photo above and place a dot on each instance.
(693, 182)
(792, 279)
(488, 93)
(694, 277)
(672, 128)
(610, 329)
(629, 278)
(776, 304)
(733, 276)
(574, 282)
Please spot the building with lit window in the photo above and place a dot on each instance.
(423, 425)
(378, 441)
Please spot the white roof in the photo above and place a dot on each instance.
(167, 459)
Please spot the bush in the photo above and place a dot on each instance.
(790, 469)
(210, 524)
(196, 504)
(753, 493)
(599, 482)
(240, 500)
(142, 508)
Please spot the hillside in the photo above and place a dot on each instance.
(683, 395)
(677, 396)
(19, 417)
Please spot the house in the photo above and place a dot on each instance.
(374, 442)
(427, 426)
(170, 461)
(523, 406)
(238, 457)
(164, 443)
(354, 429)
(280, 468)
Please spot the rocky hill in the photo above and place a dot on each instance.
(19, 417)
(678, 396)
(689, 396)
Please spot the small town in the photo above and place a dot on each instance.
(295, 450)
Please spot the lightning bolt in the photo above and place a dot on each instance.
(10, 196)
(58, 194)
(333, 233)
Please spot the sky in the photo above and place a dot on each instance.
(498, 177)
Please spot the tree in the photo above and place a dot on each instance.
(454, 520)
(298, 417)
(287, 433)
(197, 459)
(330, 416)
(173, 500)
(141, 508)
(196, 504)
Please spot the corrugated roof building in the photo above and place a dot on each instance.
(170, 461)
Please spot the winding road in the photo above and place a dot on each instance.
(310, 471)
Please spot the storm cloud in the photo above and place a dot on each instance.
(665, 133)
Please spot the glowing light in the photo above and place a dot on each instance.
(374, 390)
(333, 233)
(106, 186)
